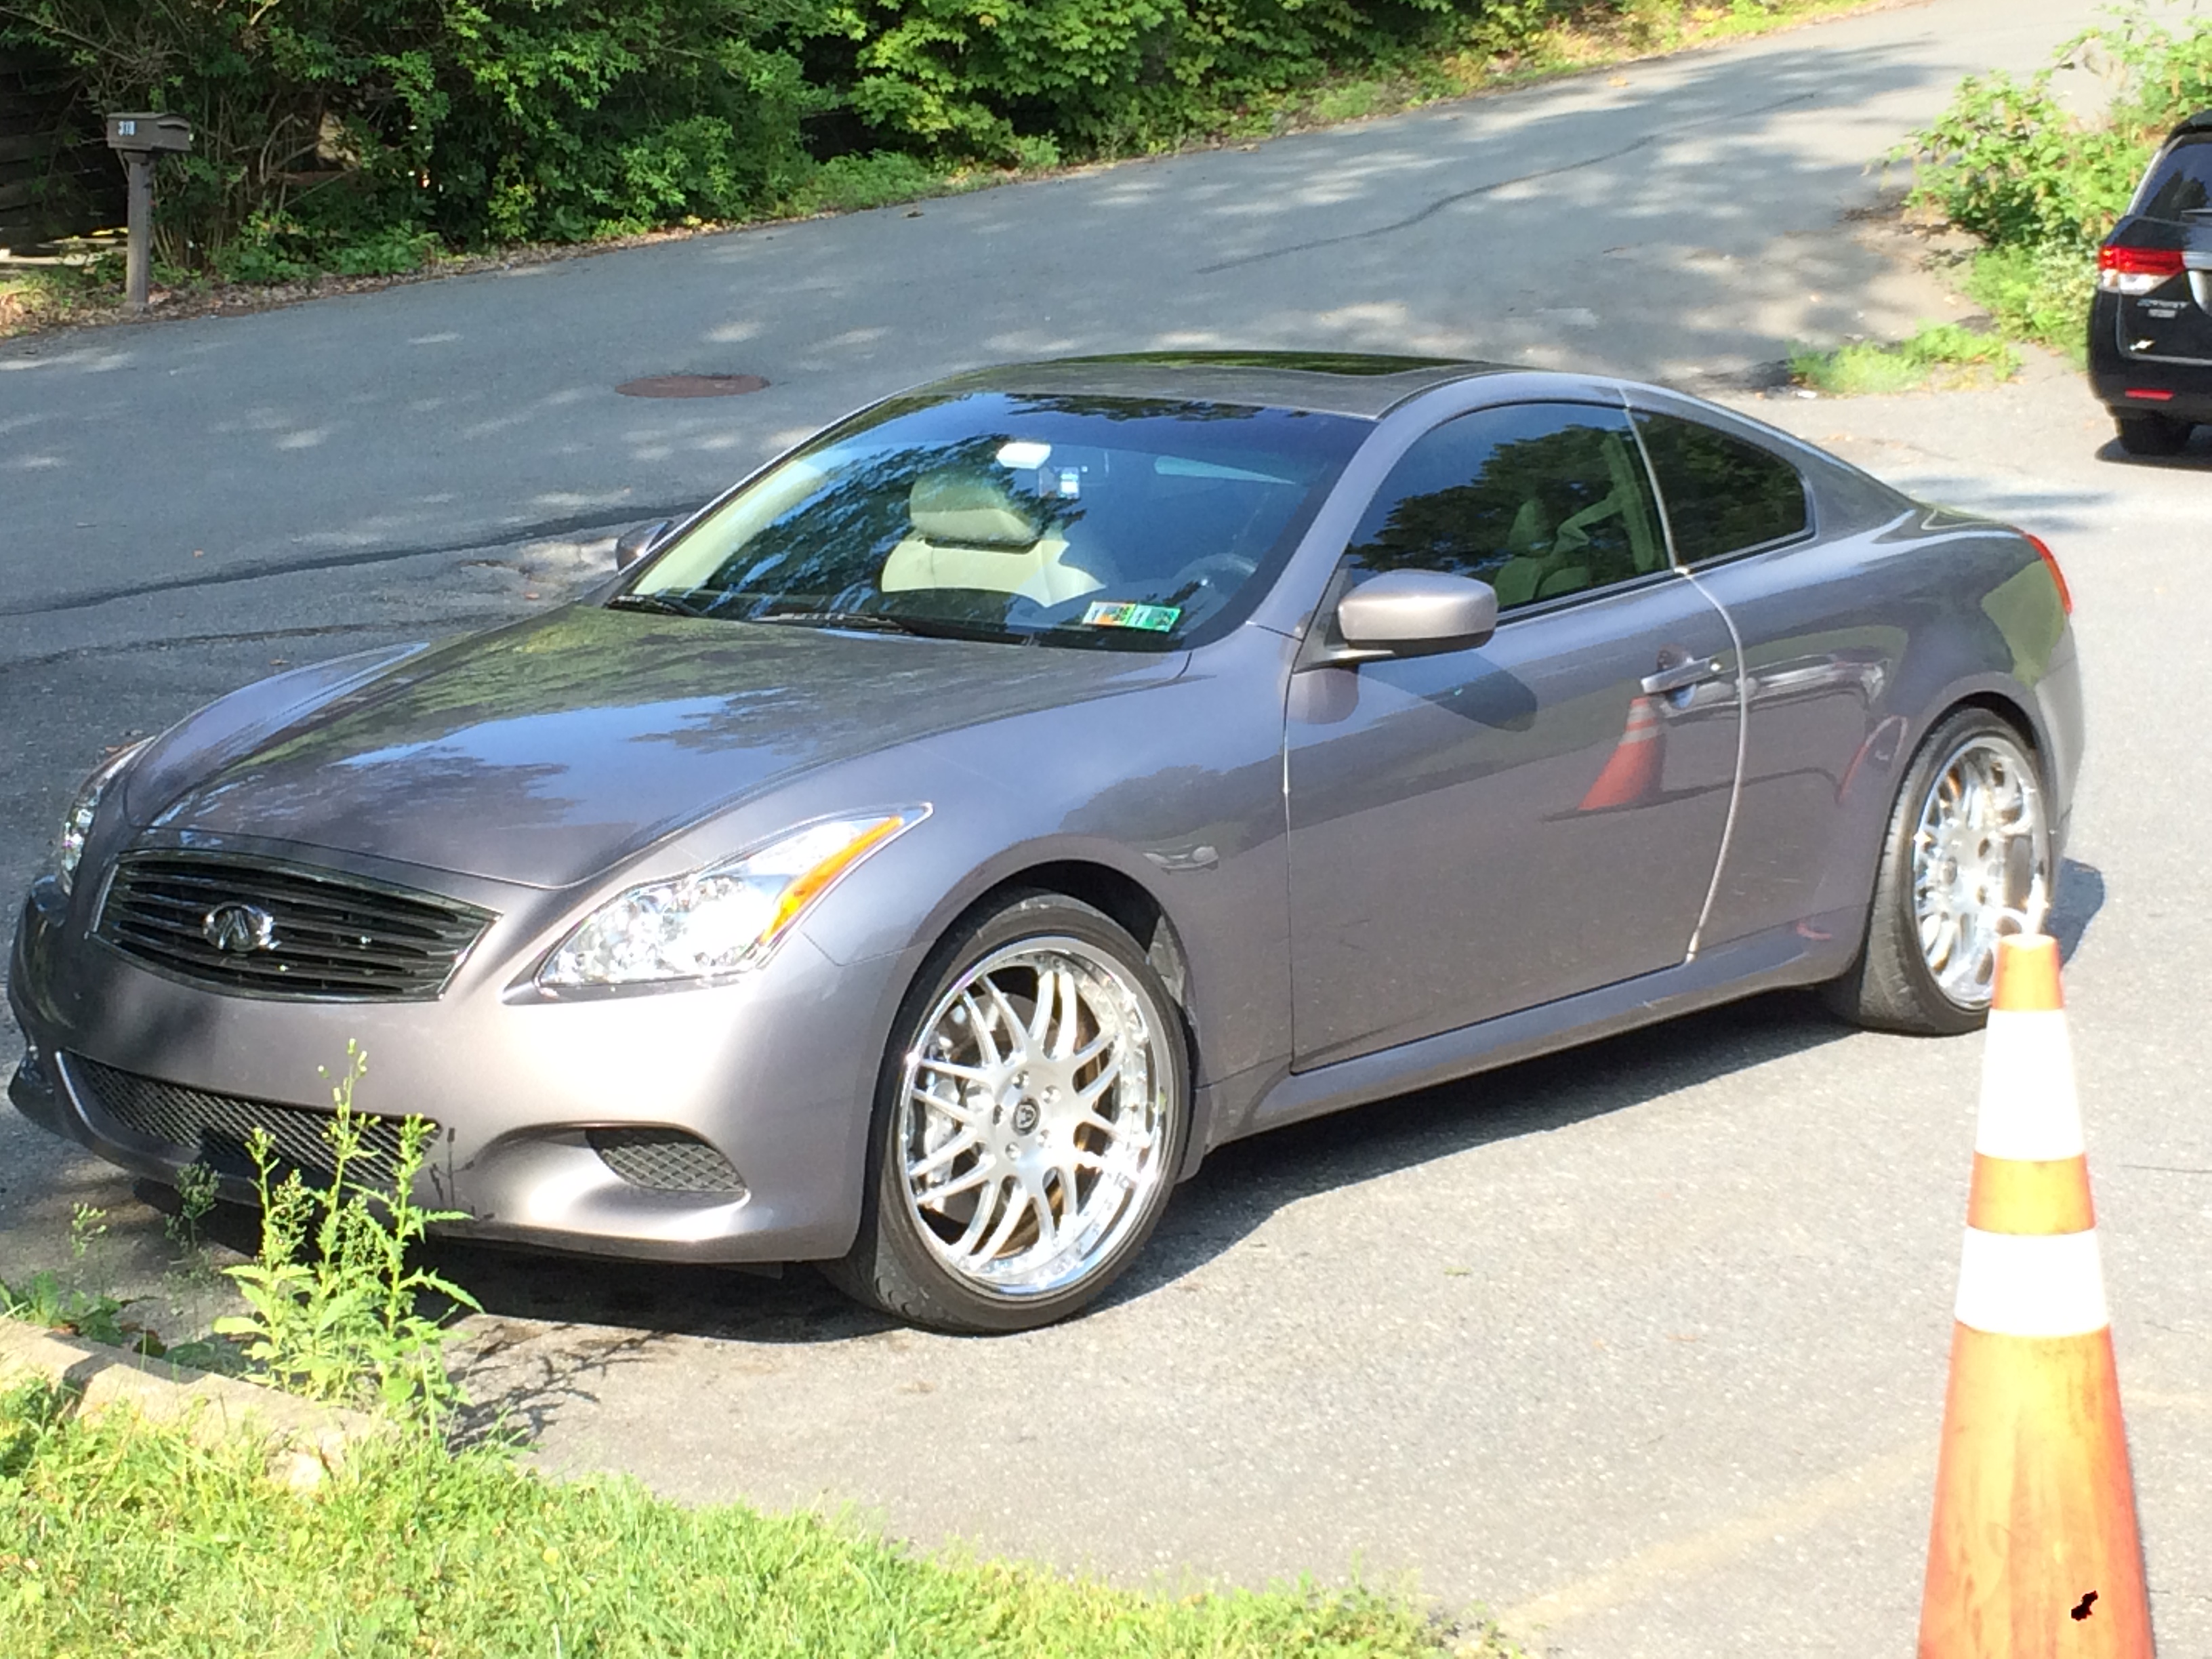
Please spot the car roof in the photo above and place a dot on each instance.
(1365, 386)
(2200, 122)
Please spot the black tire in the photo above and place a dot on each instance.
(2153, 434)
(891, 1266)
(1890, 988)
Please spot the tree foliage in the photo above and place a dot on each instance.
(352, 132)
(357, 135)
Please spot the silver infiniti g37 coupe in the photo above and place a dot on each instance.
(915, 861)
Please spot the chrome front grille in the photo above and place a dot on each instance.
(293, 931)
(199, 1127)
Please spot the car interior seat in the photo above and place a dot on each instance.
(968, 530)
(1587, 548)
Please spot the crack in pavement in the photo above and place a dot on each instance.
(253, 573)
(1443, 202)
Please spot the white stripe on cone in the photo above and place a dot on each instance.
(2029, 1110)
(2031, 1284)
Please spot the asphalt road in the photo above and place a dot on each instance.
(1644, 1345)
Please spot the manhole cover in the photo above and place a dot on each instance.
(692, 385)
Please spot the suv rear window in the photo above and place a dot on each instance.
(2180, 181)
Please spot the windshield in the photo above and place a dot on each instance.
(1120, 523)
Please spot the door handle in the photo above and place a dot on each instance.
(1696, 672)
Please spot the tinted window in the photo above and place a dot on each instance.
(1109, 522)
(1538, 500)
(2180, 181)
(1723, 495)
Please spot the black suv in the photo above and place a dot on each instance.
(2150, 325)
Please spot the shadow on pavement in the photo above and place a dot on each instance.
(2081, 896)
(2195, 459)
(552, 1323)
(608, 1312)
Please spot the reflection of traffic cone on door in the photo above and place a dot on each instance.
(1631, 771)
(2034, 1552)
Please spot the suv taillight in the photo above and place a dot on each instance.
(2136, 270)
(2051, 563)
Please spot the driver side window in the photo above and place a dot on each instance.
(1539, 500)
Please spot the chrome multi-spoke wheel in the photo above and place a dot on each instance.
(1034, 1110)
(1031, 1116)
(1968, 859)
(1979, 855)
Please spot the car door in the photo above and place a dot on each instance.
(1479, 831)
(1816, 663)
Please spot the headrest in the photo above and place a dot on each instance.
(961, 509)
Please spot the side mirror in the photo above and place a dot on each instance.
(639, 540)
(1410, 613)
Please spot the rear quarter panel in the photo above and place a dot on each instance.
(1857, 645)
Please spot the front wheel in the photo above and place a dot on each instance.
(1967, 860)
(1030, 1117)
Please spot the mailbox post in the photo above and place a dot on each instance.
(139, 138)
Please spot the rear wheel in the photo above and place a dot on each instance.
(1967, 860)
(1030, 1116)
(2153, 434)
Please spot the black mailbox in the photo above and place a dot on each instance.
(149, 133)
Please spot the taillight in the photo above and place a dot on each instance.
(2137, 269)
(2057, 576)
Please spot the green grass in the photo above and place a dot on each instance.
(2035, 293)
(123, 1537)
(1940, 355)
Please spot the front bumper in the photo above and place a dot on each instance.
(776, 1071)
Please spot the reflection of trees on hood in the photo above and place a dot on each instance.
(577, 658)
(732, 687)
(434, 786)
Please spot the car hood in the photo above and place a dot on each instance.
(544, 753)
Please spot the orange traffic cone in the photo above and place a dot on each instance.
(2034, 1552)
(1631, 771)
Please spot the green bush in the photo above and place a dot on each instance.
(362, 134)
(973, 78)
(2041, 187)
(369, 136)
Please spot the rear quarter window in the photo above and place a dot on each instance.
(2179, 182)
(1722, 494)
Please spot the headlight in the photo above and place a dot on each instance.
(724, 918)
(86, 807)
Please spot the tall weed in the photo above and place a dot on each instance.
(332, 1300)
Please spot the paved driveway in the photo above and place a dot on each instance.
(1643, 1344)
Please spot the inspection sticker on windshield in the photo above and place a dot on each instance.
(1159, 618)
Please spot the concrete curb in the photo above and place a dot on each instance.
(305, 1441)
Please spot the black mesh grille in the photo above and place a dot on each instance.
(212, 1129)
(327, 936)
(666, 1160)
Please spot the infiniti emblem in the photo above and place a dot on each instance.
(238, 928)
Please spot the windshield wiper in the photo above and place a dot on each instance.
(872, 621)
(658, 604)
